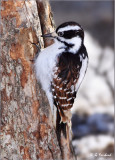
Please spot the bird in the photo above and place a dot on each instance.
(60, 69)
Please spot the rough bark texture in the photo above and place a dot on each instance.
(27, 131)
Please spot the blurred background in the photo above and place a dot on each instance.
(93, 111)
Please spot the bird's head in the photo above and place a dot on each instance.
(70, 34)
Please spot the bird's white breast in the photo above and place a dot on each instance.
(44, 67)
(46, 61)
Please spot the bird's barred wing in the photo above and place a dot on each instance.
(63, 89)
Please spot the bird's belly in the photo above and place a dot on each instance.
(44, 67)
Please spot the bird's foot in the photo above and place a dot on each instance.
(38, 46)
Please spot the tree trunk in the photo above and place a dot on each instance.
(27, 131)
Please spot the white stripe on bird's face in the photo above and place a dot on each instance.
(67, 28)
(76, 41)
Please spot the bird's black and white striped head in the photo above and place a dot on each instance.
(70, 35)
(69, 30)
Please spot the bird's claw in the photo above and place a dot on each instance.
(38, 50)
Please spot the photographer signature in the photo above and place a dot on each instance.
(101, 154)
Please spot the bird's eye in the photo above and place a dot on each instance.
(76, 32)
(60, 34)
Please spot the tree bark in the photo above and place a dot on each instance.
(27, 131)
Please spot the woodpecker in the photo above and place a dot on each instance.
(60, 68)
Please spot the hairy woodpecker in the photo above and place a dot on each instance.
(60, 68)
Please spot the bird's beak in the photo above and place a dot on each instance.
(50, 35)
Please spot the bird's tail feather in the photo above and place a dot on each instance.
(60, 127)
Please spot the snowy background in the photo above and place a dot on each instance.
(93, 111)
